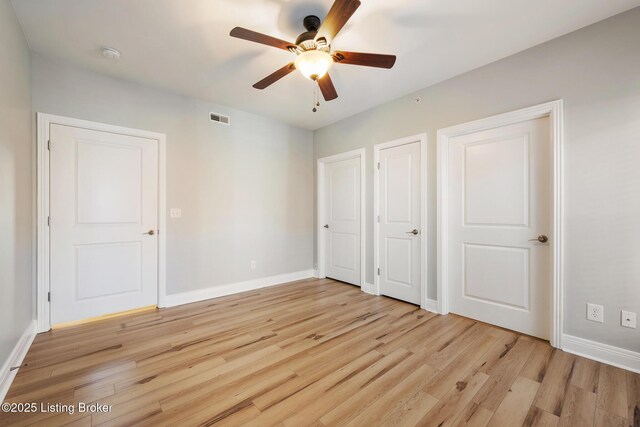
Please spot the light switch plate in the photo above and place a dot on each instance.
(175, 213)
(628, 319)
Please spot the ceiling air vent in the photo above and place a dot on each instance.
(220, 118)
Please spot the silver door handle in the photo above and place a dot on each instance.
(150, 232)
(326, 226)
(414, 232)
(541, 238)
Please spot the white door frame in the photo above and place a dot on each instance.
(320, 244)
(422, 139)
(44, 121)
(553, 110)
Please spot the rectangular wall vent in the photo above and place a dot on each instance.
(220, 118)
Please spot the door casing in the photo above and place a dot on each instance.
(422, 140)
(553, 110)
(43, 312)
(320, 215)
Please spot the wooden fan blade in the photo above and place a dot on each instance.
(274, 77)
(252, 36)
(364, 59)
(338, 15)
(327, 88)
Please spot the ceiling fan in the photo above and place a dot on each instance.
(313, 49)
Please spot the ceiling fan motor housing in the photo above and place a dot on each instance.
(306, 37)
(307, 40)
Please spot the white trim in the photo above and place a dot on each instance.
(235, 288)
(608, 354)
(15, 359)
(320, 243)
(422, 139)
(553, 110)
(44, 121)
(431, 305)
(369, 288)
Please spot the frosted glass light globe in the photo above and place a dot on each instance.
(314, 64)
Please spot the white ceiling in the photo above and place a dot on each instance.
(184, 45)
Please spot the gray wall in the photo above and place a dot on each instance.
(16, 234)
(245, 190)
(596, 70)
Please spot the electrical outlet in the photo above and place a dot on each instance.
(175, 213)
(628, 319)
(595, 313)
(253, 264)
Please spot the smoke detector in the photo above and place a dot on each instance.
(111, 53)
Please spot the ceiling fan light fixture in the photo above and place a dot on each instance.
(313, 64)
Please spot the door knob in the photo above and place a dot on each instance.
(150, 232)
(326, 226)
(414, 232)
(541, 238)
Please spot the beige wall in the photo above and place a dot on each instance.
(596, 70)
(16, 234)
(245, 190)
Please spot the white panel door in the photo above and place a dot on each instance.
(103, 199)
(499, 203)
(342, 215)
(400, 222)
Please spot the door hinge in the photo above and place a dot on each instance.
(378, 218)
(49, 221)
(378, 272)
(49, 145)
(49, 296)
(378, 165)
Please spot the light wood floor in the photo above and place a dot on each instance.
(315, 352)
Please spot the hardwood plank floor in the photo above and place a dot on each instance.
(313, 352)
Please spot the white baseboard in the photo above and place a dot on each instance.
(369, 288)
(431, 305)
(316, 274)
(234, 288)
(608, 354)
(15, 359)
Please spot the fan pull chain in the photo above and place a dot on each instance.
(316, 102)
